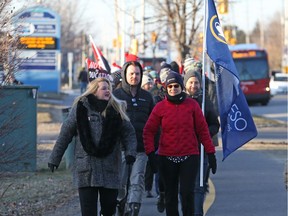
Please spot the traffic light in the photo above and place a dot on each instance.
(227, 35)
(222, 6)
(154, 37)
(233, 41)
(134, 47)
(115, 43)
(199, 44)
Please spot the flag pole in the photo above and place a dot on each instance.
(99, 57)
(95, 50)
(203, 96)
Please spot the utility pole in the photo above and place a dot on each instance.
(142, 47)
(132, 36)
(122, 54)
(247, 37)
(262, 38)
(70, 66)
(285, 35)
(83, 41)
(117, 31)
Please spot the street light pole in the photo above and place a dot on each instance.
(142, 49)
(247, 37)
(117, 31)
(122, 55)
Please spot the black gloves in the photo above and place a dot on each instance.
(212, 162)
(52, 167)
(153, 161)
(130, 159)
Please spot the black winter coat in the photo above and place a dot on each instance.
(138, 107)
(209, 112)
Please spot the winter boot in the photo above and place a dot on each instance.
(161, 202)
(104, 215)
(121, 207)
(133, 209)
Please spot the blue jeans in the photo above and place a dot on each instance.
(199, 192)
(83, 87)
(137, 183)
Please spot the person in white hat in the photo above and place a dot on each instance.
(147, 82)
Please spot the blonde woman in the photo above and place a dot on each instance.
(99, 122)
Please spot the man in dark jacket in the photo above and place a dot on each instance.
(83, 79)
(139, 106)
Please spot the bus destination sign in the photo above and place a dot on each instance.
(248, 54)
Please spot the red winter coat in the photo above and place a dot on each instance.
(181, 127)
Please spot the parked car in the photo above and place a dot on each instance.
(279, 84)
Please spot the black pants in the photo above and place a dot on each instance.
(160, 184)
(149, 177)
(89, 197)
(181, 174)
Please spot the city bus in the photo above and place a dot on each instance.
(253, 69)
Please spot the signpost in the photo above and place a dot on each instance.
(39, 34)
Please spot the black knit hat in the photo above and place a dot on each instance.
(174, 66)
(192, 73)
(165, 65)
(174, 77)
(117, 77)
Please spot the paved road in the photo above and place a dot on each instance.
(250, 183)
(276, 108)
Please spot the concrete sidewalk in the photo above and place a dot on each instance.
(72, 207)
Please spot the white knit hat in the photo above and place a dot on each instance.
(191, 64)
(146, 79)
(163, 74)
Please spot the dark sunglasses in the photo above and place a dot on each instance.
(175, 86)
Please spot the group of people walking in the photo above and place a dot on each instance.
(147, 119)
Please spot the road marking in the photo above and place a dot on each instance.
(210, 197)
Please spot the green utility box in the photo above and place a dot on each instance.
(18, 128)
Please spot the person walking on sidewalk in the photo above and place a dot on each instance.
(99, 123)
(139, 106)
(148, 84)
(192, 82)
(182, 124)
(83, 79)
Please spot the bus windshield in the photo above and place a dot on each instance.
(252, 69)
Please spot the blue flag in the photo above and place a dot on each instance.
(237, 125)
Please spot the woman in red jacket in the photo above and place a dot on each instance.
(182, 125)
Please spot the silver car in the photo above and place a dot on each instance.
(279, 83)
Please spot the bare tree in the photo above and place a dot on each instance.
(256, 33)
(184, 20)
(240, 36)
(273, 40)
(8, 42)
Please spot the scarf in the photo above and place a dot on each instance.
(111, 128)
(177, 99)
